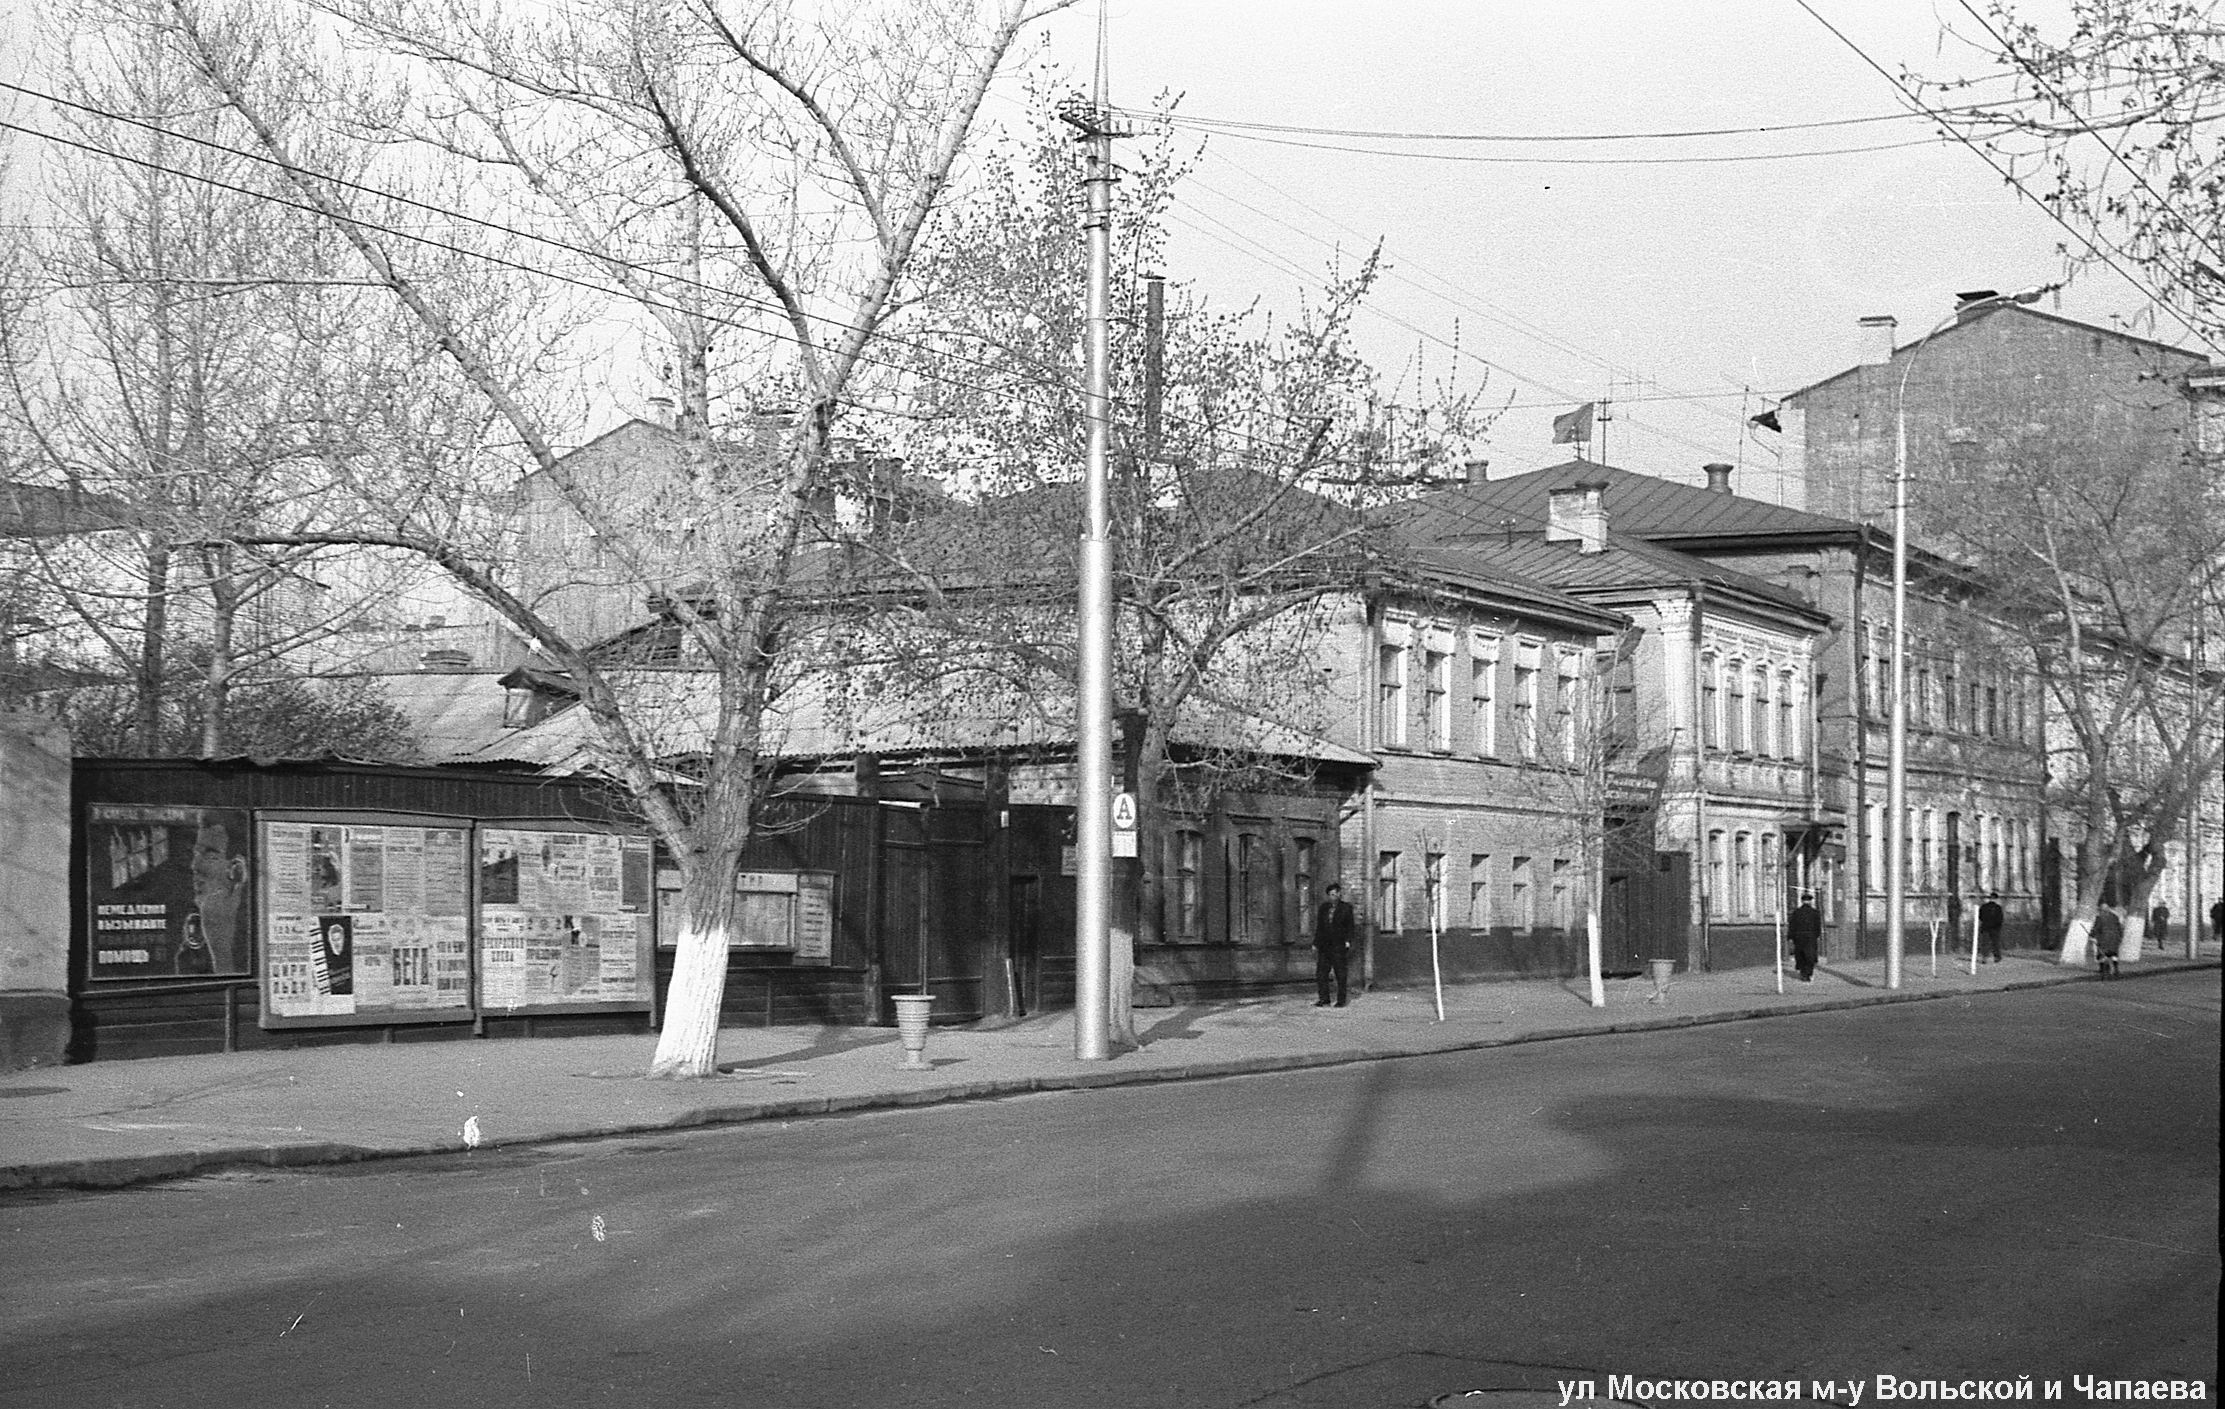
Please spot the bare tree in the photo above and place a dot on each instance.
(171, 357)
(2101, 559)
(2112, 125)
(818, 149)
(1248, 451)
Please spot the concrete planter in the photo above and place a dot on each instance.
(912, 1010)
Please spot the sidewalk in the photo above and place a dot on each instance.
(106, 1124)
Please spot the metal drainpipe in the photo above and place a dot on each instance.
(1861, 819)
(1370, 662)
(1700, 853)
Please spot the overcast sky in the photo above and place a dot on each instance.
(1693, 291)
(1676, 285)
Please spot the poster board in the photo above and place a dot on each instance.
(167, 892)
(364, 918)
(789, 912)
(565, 918)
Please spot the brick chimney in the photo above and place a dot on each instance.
(1875, 347)
(1718, 477)
(1578, 514)
(1476, 471)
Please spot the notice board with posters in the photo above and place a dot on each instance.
(167, 892)
(565, 918)
(365, 918)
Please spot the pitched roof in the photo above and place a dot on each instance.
(1638, 505)
(2017, 309)
(40, 511)
(1630, 564)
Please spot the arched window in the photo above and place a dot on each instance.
(1757, 724)
(1788, 717)
(1735, 716)
(1711, 724)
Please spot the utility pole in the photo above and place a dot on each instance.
(1093, 706)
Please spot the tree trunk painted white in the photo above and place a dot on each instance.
(688, 1043)
(2076, 935)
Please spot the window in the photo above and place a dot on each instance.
(1302, 861)
(1387, 917)
(1919, 699)
(1246, 878)
(1993, 712)
(1433, 882)
(1788, 718)
(1622, 699)
(1715, 897)
(1479, 891)
(1568, 691)
(1742, 859)
(1564, 900)
(1390, 696)
(1924, 848)
(1735, 722)
(1520, 903)
(1483, 670)
(1952, 714)
(1772, 876)
(1525, 700)
(1711, 725)
(1873, 837)
(1189, 893)
(1437, 697)
(1757, 723)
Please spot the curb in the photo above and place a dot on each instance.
(124, 1171)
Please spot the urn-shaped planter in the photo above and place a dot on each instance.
(911, 1028)
(1662, 969)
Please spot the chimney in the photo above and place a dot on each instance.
(1578, 514)
(1718, 477)
(445, 658)
(1476, 471)
(660, 411)
(1876, 345)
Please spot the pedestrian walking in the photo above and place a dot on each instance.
(2159, 924)
(2109, 937)
(1332, 945)
(1989, 928)
(1805, 930)
(2217, 921)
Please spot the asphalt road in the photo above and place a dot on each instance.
(2012, 1184)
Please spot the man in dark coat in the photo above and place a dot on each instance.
(1805, 930)
(1332, 945)
(1989, 928)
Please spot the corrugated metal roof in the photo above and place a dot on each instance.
(1637, 505)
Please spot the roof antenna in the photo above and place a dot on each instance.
(1508, 525)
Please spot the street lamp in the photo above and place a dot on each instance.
(1896, 761)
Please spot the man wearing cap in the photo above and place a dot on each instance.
(1805, 930)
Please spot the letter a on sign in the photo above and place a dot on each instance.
(1124, 824)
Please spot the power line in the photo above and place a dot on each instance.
(2104, 255)
(2062, 101)
(1464, 159)
(1232, 126)
(1276, 452)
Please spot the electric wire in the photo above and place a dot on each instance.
(1277, 453)
(2062, 101)
(2105, 255)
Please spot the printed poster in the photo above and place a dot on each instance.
(564, 919)
(365, 920)
(167, 891)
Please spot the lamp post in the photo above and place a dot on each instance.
(1896, 759)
